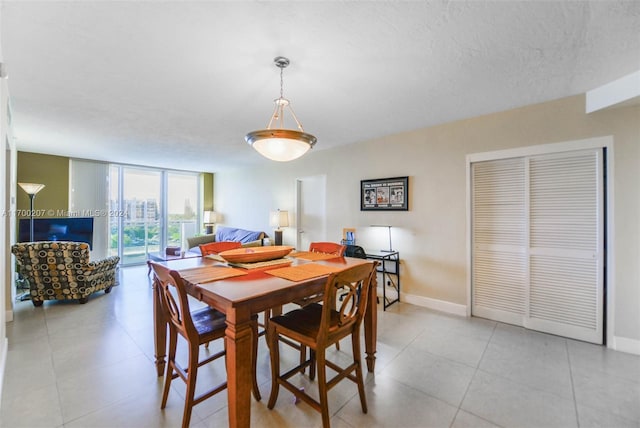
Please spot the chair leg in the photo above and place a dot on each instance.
(303, 356)
(192, 375)
(254, 359)
(322, 387)
(312, 367)
(274, 353)
(355, 340)
(168, 377)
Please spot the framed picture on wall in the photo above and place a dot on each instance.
(384, 194)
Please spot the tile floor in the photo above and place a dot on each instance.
(72, 365)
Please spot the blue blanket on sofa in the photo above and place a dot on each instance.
(237, 235)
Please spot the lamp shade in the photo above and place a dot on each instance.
(279, 219)
(390, 250)
(31, 188)
(209, 217)
(281, 145)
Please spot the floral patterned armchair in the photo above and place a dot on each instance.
(58, 270)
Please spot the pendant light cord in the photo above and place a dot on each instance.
(281, 82)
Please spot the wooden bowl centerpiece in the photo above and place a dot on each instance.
(255, 254)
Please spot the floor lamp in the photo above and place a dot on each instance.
(31, 189)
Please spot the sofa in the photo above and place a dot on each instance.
(247, 238)
(61, 270)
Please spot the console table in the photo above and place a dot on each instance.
(389, 267)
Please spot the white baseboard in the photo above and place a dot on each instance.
(3, 362)
(435, 304)
(8, 315)
(624, 344)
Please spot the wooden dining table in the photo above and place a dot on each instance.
(240, 298)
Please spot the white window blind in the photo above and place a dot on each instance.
(537, 242)
(88, 197)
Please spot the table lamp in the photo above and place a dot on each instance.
(209, 219)
(278, 219)
(390, 250)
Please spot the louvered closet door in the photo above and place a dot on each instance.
(566, 245)
(499, 258)
(537, 242)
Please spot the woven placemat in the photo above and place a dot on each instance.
(202, 274)
(303, 272)
(312, 256)
(265, 264)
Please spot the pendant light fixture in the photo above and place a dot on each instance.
(276, 142)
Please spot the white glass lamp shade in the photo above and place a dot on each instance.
(281, 145)
(209, 217)
(279, 219)
(389, 228)
(31, 188)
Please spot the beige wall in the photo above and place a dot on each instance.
(53, 172)
(431, 237)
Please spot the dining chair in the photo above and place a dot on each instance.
(197, 327)
(314, 247)
(217, 247)
(328, 248)
(318, 326)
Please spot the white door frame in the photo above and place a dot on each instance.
(590, 143)
(298, 192)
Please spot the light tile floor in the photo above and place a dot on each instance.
(72, 365)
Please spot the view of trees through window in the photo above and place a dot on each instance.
(160, 209)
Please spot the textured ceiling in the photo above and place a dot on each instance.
(178, 84)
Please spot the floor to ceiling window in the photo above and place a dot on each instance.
(160, 208)
(182, 207)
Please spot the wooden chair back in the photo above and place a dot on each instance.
(328, 248)
(319, 326)
(174, 301)
(342, 318)
(218, 247)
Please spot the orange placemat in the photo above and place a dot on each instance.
(303, 272)
(312, 256)
(202, 274)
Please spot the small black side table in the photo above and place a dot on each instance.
(390, 269)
